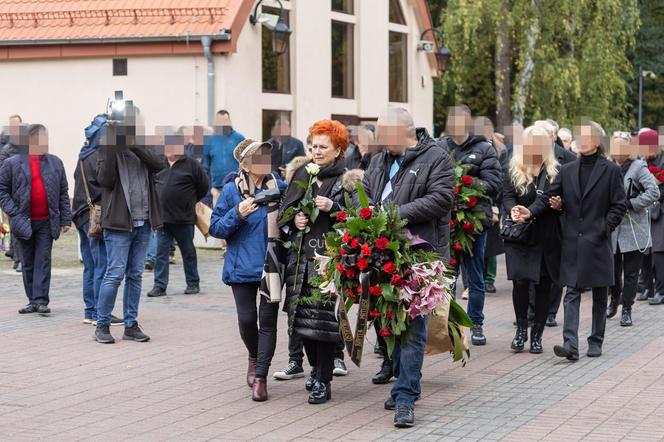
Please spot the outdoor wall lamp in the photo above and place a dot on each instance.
(280, 31)
(443, 55)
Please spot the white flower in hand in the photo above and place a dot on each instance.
(312, 169)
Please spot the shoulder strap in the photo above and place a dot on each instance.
(85, 184)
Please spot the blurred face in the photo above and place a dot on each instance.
(392, 136)
(38, 144)
(587, 140)
(366, 142)
(173, 147)
(323, 151)
(458, 123)
(622, 149)
(535, 147)
(14, 121)
(281, 129)
(259, 164)
(566, 138)
(222, 120)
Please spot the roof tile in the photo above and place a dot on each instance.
(87, 19)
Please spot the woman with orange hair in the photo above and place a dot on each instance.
(313, 319)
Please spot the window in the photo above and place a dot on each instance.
(342, 60)
(398, 67)
(269, 118)
(345, 6)
(396, 13)
(276, 68)
(119, 67)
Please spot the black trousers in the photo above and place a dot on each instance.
(260, 342)
(555, 298)
(36, 261)
(647, 276)
(572, 309)
(321, 357)
(379, 339)
(521, 290)
(658, 261)
(628, 263)
(296, 349)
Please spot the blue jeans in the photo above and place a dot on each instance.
(125, 254)
(152, 247)
(472, 268)
(184, 235)
(93, 252)
(407, 360)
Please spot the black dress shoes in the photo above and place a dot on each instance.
(657, 299)
(594, 351)
(385, 374)
(611, 310)
(626, 317)
(562, 352)
(30, 308)
(551, 321)
(644, 295)
(390, 404)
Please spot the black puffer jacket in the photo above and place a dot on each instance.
(311, 319)
(485, 167)
(424, 189)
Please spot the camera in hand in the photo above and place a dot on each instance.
(267, 196)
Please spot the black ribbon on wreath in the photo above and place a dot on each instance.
(355, 342)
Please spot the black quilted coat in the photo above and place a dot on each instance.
(313, 319)
(15, 185)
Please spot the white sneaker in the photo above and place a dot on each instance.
(339, 368)
(292, 371)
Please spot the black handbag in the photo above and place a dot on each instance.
(518, 233)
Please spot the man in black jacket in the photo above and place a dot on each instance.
(180, 186)
(417, 175)
(480, 155)
(130, 209)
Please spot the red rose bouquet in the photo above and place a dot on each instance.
(372, 260)
(657, 173)
(467, 216)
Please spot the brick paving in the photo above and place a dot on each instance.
(56, 383)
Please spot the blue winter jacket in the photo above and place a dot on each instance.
(246, 240)
(15, 186)
(218, 160)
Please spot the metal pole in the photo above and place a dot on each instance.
(207, 51)
(640, 95)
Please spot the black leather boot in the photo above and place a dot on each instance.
(536, 338)
(321, 393)
(385, 374)
(521, 336)
(612, 309)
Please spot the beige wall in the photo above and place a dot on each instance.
(66, 94)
